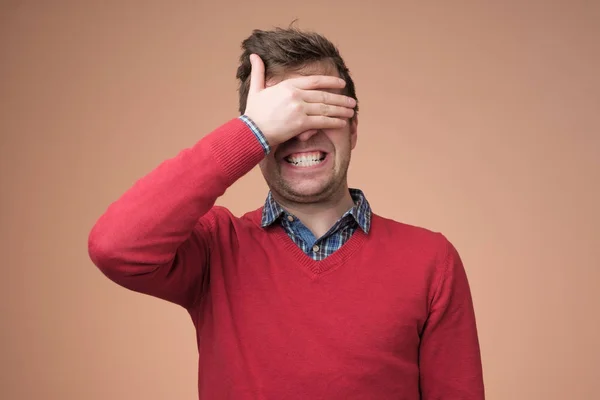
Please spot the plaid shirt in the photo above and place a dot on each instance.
(359, 216)
(318, 249)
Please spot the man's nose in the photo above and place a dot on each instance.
(304, 136)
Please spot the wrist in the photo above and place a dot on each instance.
(235, 149)
(260, 136)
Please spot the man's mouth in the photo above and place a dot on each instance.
(307, 159)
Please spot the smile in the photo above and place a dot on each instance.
(309, 159)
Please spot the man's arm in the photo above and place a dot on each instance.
(156, 237)
(450, 359)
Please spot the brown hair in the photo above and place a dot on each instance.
(289, 49)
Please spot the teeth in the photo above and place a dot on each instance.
(306, 159)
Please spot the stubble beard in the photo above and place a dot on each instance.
(328, 190)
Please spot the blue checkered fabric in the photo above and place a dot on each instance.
(359, 216)
(257, 132)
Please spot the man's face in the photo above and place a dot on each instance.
(311, 167)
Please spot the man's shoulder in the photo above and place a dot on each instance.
(414, 244)
(402, 233)
(396, 226)
(222, 216)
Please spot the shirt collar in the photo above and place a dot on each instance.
(361, 211)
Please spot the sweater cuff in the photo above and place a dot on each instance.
(235, 149)
(257, 132)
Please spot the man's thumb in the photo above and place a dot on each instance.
(257, 74)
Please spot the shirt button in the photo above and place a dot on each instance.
(290, 218)
(315, 248)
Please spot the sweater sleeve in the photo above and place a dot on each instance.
(157, 237)
(450, 360)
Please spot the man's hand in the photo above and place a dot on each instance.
(295, 105)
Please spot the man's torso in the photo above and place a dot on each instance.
(279, 324)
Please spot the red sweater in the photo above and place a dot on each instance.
(388, 316)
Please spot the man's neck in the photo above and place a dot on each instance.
(321, 216)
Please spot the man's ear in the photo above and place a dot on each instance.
(353, 131)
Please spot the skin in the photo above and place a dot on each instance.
(317, 195)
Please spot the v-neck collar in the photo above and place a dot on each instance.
(313, 267)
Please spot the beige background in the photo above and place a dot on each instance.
(480, 121)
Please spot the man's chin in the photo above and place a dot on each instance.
(306, 192)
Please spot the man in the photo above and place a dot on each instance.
(312, 296)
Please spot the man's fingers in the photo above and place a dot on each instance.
(317, 82)
(316, 96)
(257, 74)
(322, 122)
(328, 110)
